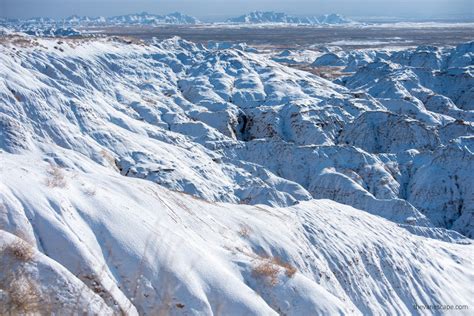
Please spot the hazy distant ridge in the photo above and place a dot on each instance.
(259, 17)
(144, 18)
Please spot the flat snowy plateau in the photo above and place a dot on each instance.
(169, 178)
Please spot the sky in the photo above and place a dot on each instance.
(218, 9)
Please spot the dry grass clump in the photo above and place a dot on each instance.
(269, 268)
(57, 178)
(289, 269)
(21, 250)
(244, 231)
(18, 292)
(23, 296)
(266, 270)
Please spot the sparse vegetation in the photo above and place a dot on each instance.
(18, 293)
(268, 268)
(23, 295)
(268, 271)
(244, 231)
(138, 247)
(289, 269)
(56, 178)
(21, 250)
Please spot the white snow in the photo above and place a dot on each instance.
(143, 248)
(171, 178)
(270, 17)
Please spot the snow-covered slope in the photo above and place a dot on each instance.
(32, 282)
(170, 178)
(260, 17)
(246, 129)
(127, 245)
(436, 77)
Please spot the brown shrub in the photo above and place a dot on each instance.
(244, 231)
(23, 296)
(289, 269)
(266, 270)
(269, 268)
(21, 250)
(56, 177)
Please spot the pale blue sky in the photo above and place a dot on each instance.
(216, 9)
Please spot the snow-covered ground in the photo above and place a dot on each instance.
(172, 178)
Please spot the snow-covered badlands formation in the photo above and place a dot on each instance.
(167, 178)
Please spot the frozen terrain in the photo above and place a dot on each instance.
(269, 17)
(169, 177)
(72, 26)
(175, 18)
(143, 18)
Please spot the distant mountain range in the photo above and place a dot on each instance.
(258, 17)
(145, 18)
